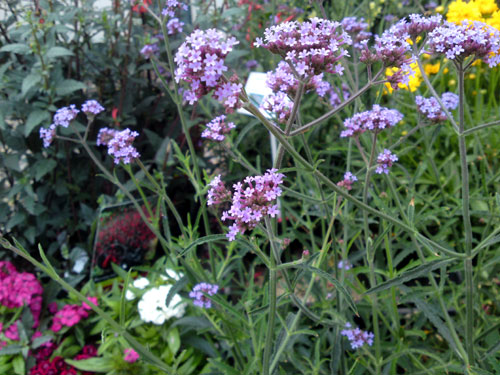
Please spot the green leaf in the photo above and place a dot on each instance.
(477, 371)
(11, 349)
(335, 282)
(58, 52)
(35, 118)
(42, 167)
(11, 161)
(16, 48)
(18, 364)
(419, 271)
(68, 86)
(202, 240)
(95, 364)
(174, 340)
(30, 81)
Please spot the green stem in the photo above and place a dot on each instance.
(479, 127)
(469, 281)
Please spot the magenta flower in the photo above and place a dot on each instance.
(130, 355)
(198, 294)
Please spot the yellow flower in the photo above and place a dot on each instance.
(459, 11)
(486, 6)
(472, 76)
(439, 9)
(414, 81)
(494, 20)
(432, 68)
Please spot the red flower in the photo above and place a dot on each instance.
(138, 8)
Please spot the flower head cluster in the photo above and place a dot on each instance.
(71, 315)
(200, 62)
(385, 160)
(120, 146)
(430, 108)
(65, 115)
(217, 128)
(416, 26)
(105, 135)
(251, 201)
(153, 307)
(18, 289)
(48, 135)
(357, 29)
(348, 180)
(199, 297)
(280, 104)
(53, 366)
(357, 337)
(282, 79)
(172, 6)
(228, 94)
(130, 355)
(458, 42)
(217, 193)
(334, 98)
(377, 119)
(174, 26)
(92, 107)
(149, 50)
(473, 10)
(313, 46)
(12, 332)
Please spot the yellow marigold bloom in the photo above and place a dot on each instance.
(486, 6)
(459, 11)
(414, 81)
(432, 68)
(494, 20)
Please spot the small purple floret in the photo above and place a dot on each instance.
(357, 337)
(198, 294)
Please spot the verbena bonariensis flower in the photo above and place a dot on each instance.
(18, 289)
(92, 108)
(217, 128)
(174, 26)
(357, 29)
(149, 50)
(105, 135)
(198, 294)
(65, 115)
(357, 337)
(385, 160)
(172, 6)
(344, 265)
(313, 46)
(228, 94)
(252, 200)
(348, 180)
(416, 25)
(377, 119)
(120, 146)
(430, 108)
(218, 192)
(334, 98)
(48, 135)
(282, 79)
(200, 62)
(458, 42)
(280, 104)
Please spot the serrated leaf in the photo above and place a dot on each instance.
(95, 364)
(419, 271)
(16, 48)
(68, 86)
(58, 52)
(30, 81)
(335, 282)
(35, 118)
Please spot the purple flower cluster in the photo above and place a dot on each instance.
(377, 119)
(385, 160)
(228, 94)
(416, 25)
(172, 6)
(92, 108)
(200, 63)
(357, 29)
(149, 50)
(217, 128)
(174, 26)
(198, 294)
(280, 104)
(344, 265)
(430, 108)
(357, 337)
(119, 144)
(334, 97)
(313, 47)
(457, 42)
(348, 180)
(283, 79)
(64, 116)
(250, 201)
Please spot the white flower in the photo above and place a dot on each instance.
(152, 306)
(139, 283)
(171, 274)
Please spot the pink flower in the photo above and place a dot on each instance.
(131, 355)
